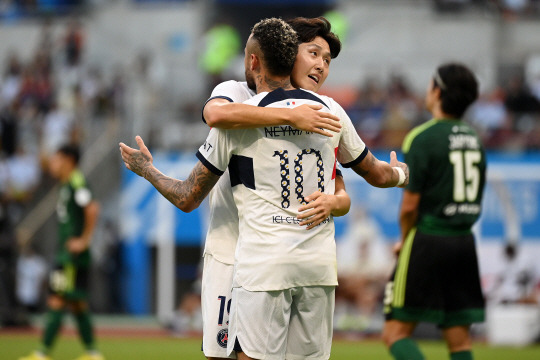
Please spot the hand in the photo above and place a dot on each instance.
(138, 161)
(396, 249)
(309, 118)
(76, 245)
(395, 163)
(318, 209)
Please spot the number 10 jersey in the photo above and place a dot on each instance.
(272, 170)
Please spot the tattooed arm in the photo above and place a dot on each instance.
(379, 173)
(186, 195)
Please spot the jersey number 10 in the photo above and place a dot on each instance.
(298, 174)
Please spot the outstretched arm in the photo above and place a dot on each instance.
(186, 195)
(382, 174)
(320, 205)
(224, 114)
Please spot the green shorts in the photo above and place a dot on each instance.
(69, 282)
(436, 280)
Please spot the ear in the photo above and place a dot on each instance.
(435, 90)
(254, 62)
(438, 93)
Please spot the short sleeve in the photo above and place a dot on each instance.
(338, 171)
(216, 151)
(232, 91)
(83, 196)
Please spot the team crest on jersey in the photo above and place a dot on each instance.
(222, 337)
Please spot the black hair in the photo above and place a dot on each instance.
(459, 88)
(278, 43)
(309, 28)
(72, 151)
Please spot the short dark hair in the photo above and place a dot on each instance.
(309, 28)
(72, 151)
(459, 88)
(278, 43)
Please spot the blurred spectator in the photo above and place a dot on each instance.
(24, 174)
(490, 117)
(73, 48)
(27, 90)
(58, 129)
(73, 43)
(364, 263)
(222, 45)
(22, 178)
(31, 274)
(9, 309)
(517, 278)
(188, 318)
(11, 81)
(368, 112)
(8, 130)
(519, 98)
(402, 112)
(533, 136)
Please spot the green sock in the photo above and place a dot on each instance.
(53, 323)
(406, 349)
(86, 332)
(461, 355)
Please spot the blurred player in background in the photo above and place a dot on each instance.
(436, 277)
(225, 110)
(77, 213)
(276, 261)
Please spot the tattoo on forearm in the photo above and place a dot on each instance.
(140, 163)
(181, 193)
(394, 178)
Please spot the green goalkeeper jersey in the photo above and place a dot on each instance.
(448, 168)
(73, 197)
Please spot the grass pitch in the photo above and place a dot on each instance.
(13, 346)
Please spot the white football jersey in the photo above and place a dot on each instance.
(271, 170)
(222, 232)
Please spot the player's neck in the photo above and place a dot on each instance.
(438, 113)
(66, 175)
(267, 83)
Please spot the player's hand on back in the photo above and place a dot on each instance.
(318, 209)
(395, 163)
(309, 118)
(138, 161)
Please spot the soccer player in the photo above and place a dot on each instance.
(224, 110)
(285, 276)
(77, 215)
(436, 277)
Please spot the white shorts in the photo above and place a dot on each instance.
(215, 304)
(286, 324)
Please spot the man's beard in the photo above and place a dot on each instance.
(251, 81)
